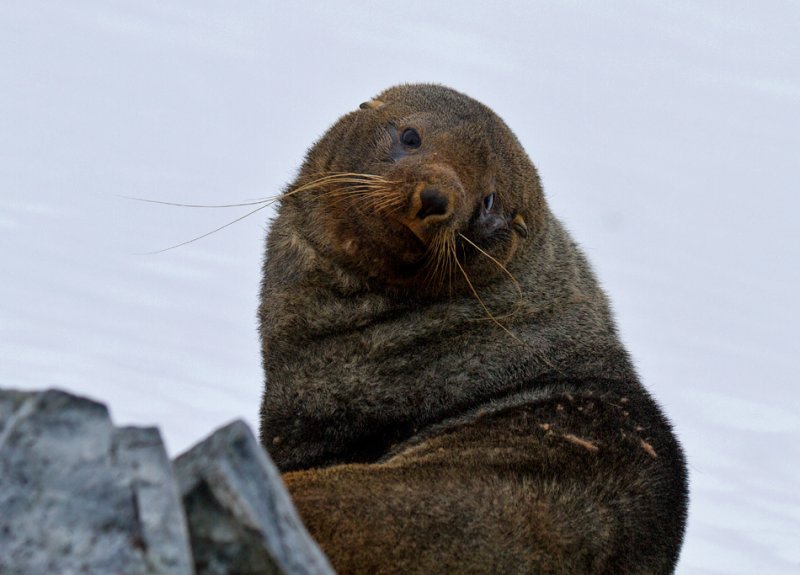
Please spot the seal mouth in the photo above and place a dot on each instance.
(424, 231)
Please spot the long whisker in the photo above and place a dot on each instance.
(450, 267)
(504, 269)
(365, 185)
(448, 252)
(351, 178)
(367, 180)
(480, 301)
(391, 202)
(240, 218)
(435, 250)
(501, 266)
(377, 196)
(376, 200)
(354, 191)
(370, 181)
(442, 257)
(146, 200)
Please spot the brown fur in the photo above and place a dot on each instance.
(447, 393)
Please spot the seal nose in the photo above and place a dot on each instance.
(432, 203)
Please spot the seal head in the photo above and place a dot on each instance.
(414, 180)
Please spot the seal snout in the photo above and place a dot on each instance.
(433, 202)
(432, 207)
(433, 195)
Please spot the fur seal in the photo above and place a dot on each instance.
(445, 388)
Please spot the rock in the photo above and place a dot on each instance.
(80, 496)
(158, 501)
(241, 519)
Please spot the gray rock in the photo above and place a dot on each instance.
(241, 519)
(79, 496)
(160, 511)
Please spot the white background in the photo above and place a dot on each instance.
(667, 135)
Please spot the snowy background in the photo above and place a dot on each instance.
(667, 136)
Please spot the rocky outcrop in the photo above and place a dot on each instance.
(240, 515)
(78, 495)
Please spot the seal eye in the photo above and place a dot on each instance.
(410, 138)
(488, 201)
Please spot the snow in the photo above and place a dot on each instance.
(666, 134)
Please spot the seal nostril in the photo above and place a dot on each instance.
(433, 203)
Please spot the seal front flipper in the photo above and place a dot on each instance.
(558, 485)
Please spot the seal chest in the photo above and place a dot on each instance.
(442, 369)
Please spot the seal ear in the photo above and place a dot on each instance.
(518, 223)
(371, 105)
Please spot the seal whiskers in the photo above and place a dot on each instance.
(489, 314)
(439, 265)
(372, 191)
(518, 287)
(363, 184)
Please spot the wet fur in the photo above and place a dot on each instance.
(416, 434)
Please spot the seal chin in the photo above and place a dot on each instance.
(425, 230)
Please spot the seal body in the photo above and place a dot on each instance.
(445, 387)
